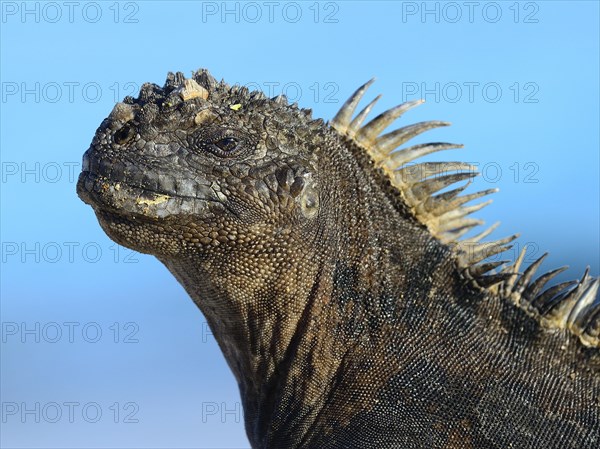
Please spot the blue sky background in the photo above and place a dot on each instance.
(530, 121)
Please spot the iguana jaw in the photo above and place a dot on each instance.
(118, 196)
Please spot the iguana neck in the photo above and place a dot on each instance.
(318, 301)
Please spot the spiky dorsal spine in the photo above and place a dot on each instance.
(573, 305)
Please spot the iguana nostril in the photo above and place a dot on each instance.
(124, 134)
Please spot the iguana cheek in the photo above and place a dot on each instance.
(309, 202)
(306, 194)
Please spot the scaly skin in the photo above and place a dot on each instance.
(346, 323)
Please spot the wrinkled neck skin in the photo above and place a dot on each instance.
(302, 330)
(260, 330)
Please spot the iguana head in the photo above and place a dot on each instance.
(198, 163)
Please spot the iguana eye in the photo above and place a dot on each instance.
(227, 144)
(221, 142)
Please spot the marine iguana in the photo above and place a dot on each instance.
(336, 276)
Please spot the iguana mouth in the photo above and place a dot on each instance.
(102, 192)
